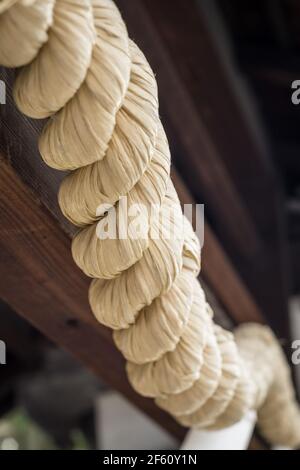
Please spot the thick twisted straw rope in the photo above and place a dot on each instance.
(81, 70)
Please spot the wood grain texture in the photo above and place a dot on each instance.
(219, 273)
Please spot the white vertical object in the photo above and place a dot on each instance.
(236, 437)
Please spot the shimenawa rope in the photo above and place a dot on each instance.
(80, 70)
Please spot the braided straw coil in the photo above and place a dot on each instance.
(80, 69)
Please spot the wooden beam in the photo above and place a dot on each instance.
(219, 273)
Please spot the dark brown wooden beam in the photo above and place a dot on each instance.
(219, 273)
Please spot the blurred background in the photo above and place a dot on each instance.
(225, 71)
